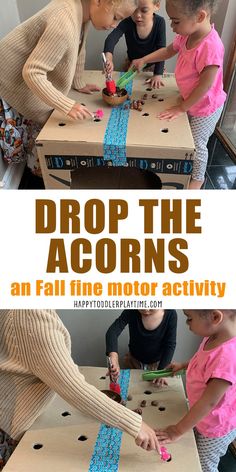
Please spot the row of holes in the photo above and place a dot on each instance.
(163, 130)
(38, 446)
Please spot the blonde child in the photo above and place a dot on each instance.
(41, 60)
(144, 33)
(36, 363)
(152, 339)
(199, 73)
(211, 387)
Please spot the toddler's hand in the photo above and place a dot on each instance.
(89, 88)
(171, 113)
(176, 366)
(169, 434)
(137, 64)
(147, 438)
(160, 382)
(109, 66)
(79, 112)
(115, 371)
(155, 82)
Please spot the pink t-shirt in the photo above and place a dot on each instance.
(190, 64)
(217, 363)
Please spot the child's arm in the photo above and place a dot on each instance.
(156, 80)
(206, 81)
(110, 43)
(213, 393)
(169, 341)
(112, 335)
(156, 56)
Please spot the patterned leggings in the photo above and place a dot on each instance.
(202, 128)
(7, 446)
(210, 450)
(17, 138)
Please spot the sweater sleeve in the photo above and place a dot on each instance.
(78, 81)
(43, 350)
(160, 43)
(170, 340)
(48, 53)
(114, 332)
(113, 38)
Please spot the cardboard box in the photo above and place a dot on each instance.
(54, 442)
(165, 148)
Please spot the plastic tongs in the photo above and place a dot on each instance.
(110, 83)
(114, 386)
(155, 374)
(127, 77)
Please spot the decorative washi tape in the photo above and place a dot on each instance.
(106, 454)
(114, 144)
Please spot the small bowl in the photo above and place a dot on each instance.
(115, 100)
(113, 395)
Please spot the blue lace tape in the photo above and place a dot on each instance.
(106, 454)
(114, 144)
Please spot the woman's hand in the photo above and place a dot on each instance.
(80, 112)
(155, 82)
(89, 88)
(169, 434)
(147, 439)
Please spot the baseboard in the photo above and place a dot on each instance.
(10, 175)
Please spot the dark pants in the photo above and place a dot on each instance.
(131, 363)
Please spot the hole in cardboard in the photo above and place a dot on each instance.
(61, 124)
(37, 446)
(103, 377)
(148, 392)
(165, 130)
(66, 413)
(82, 438)
(161, 408)
(145, 114)
(160, 99)
(83, 104)
(96, 119)
(149, 89)
(170, 459)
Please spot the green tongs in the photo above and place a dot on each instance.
(127, 77)
(155, 374)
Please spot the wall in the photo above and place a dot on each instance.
(88, 328)
(229, 28)
(224, 19)
(28, 8)
(9, 18)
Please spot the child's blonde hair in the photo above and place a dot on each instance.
(118, 3)
(190, 7)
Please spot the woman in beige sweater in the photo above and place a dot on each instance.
(41, 59)
(36, 362)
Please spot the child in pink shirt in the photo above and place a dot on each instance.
(199, 73)
(211, 387)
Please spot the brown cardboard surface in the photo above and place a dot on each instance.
(146, 143)
(62, 451)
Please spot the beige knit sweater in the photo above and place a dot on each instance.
(42, 58)
(35, 362)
